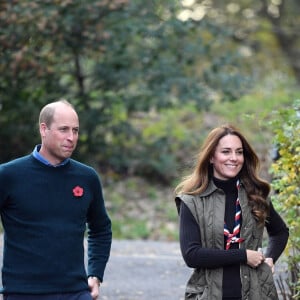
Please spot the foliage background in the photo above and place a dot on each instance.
(149, 80)
(123, 63)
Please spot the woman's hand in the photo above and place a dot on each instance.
(269, 261)
(254, 258)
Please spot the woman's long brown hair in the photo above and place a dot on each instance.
(256, 188)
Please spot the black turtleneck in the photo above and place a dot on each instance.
(231, 274)
(197, 257)
(229, 187)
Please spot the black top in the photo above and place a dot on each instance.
(197, 257)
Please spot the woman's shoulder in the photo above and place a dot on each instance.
(189, 197)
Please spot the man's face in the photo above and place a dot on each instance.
(60, 139)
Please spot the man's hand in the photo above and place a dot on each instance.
(94, 285)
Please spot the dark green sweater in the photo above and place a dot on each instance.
(44, 223)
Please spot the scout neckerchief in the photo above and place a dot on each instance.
(234, 237)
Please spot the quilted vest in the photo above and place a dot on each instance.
(208, 209)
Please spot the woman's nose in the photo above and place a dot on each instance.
(233, 156)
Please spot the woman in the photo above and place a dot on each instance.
(223, 207)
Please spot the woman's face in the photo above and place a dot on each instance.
(228, 158)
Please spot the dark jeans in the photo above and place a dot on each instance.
(85, 295)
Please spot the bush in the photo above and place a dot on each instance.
(286, 184)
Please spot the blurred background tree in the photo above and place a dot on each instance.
(149, 79)
(123, 61)
(264, 27)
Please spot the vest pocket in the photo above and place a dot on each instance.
(266, 282)
(197, 286)
(201, 294)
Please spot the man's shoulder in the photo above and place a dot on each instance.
(15, 167)
(17, 161)
(82, 166)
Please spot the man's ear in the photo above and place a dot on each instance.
(43, 128)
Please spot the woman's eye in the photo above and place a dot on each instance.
(225, 151)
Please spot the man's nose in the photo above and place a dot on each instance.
(71, 135)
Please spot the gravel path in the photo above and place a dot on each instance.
(144, 270)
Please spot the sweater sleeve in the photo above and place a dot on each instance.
(278, 234)
(194, 255)
(99, 234)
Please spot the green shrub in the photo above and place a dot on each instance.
(286, 183)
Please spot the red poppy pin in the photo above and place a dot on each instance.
(78, 191)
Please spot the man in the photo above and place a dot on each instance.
(47, 200)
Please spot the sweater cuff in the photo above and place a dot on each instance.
(95, 277)
(244, 254)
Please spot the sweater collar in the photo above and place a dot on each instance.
(36, 154)
(226, 185)
(212, 186)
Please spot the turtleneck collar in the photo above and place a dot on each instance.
(226, 185)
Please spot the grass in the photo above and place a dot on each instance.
(141, 210)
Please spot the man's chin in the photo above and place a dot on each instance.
(66, 154)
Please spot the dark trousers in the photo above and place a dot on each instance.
(85, 295)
